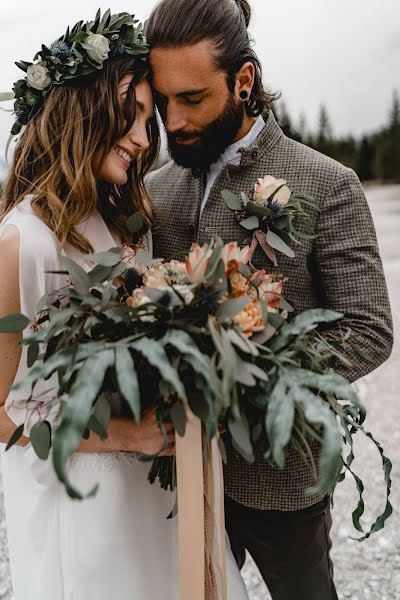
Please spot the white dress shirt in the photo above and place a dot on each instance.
(232, 156)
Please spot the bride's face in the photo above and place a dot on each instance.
(116, 165)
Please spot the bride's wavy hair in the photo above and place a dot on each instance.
(60, 150)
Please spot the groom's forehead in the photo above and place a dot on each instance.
(188, 67)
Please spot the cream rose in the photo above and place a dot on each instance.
(37, 77)
(265, 187)
(100, 47)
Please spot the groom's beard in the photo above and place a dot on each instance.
(213, 140)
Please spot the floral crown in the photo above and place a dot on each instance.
(81, 51)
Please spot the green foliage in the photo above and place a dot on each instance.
(272, 391)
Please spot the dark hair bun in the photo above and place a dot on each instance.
(246, 10)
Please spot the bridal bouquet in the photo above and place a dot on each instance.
(208, 334)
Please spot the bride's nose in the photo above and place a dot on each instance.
(139, 137)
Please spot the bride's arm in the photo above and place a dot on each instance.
(124, 434)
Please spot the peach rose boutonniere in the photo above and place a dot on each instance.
(274, 216)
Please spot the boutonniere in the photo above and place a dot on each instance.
(269, 216)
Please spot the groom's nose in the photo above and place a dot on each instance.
(174, 118)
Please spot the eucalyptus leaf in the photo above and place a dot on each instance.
(97, 427)
(231, 200)
(178, 416)
(232, 307)
(135, 223)
(13, 323)
(80, 278)
(16, 436)
(277, 243)
(40, 438)
(33, 353)
(106, 259)
(102, 411)
(250, 223)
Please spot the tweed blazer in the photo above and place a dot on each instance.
(340, 269)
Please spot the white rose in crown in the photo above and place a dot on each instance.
(37, 77)
(100, 47)
(265, 187)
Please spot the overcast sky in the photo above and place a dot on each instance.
(345, 53)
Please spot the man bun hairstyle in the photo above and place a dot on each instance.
(246, 10)
(176, 23)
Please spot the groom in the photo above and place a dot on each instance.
(222, 134)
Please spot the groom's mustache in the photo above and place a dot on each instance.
(183, 135)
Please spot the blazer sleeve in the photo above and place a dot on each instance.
(351, 275)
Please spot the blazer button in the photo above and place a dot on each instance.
(254, 154)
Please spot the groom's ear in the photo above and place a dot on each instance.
(245, 80)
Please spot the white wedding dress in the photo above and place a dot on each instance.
(118, 545)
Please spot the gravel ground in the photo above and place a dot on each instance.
(370, 570)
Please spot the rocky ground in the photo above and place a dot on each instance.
(370, 570)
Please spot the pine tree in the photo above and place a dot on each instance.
(395, 111)
(324, 136)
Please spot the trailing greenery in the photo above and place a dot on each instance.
(167, 335)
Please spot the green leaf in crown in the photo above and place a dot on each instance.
(269, 217)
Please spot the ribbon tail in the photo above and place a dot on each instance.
(253, 246)
(216, 580)
(191, 520)
(269, 251)
(6, 96)
(10, 139)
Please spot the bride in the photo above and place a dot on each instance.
(89, 137)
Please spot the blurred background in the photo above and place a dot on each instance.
(337, 66)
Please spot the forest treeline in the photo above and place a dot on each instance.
(373, 156)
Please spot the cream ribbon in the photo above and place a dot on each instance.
(201, 521)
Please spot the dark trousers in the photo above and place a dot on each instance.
(291, 549)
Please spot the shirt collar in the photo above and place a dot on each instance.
(232, 154)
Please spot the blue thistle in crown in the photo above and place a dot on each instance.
(117, 46)
(60, 50)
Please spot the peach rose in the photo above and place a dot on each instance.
(270, 291)
(155, 277)
(250, 320)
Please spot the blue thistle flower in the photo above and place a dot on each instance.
(60, 50)
(117, 47)
(276, 211)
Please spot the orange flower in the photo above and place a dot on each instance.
(250, 320)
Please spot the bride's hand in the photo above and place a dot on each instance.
(127, 436)
(148, 439)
